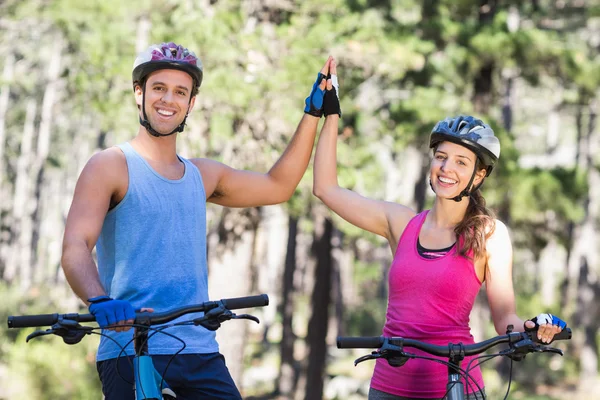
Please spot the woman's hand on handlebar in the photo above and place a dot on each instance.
(547, 326)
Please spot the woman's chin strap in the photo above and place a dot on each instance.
(465, 192)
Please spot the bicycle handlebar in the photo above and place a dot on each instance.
(33, 321)
(444, 351)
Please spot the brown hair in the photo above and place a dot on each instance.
(476, 227)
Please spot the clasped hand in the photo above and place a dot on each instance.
(324, 96)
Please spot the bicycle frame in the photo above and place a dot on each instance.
(455, 389)
(149, 384)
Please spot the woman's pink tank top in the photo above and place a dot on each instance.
(429, 300)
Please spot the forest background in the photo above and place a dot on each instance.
(531, 68)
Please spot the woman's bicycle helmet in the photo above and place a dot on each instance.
(165, 56)
(473, 134)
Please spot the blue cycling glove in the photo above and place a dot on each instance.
(109, 311)
(314, 101)
(547, 319)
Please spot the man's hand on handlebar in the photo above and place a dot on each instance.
(110, 312)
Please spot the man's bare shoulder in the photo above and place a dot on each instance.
(110, 159)
(207, 164)
(211, 171)
(108, 166)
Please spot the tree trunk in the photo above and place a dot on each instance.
(289, 368)
(271, 253)
(19, 249)
(422, 185)
(7, 75)
(337, 256)
(317, 326)
(232, 248)
(483, 85)
(142, 34)
(31, 223)
(585, 257)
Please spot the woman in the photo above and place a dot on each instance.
(441, 256)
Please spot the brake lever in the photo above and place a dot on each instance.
(374, 355)
(519, 350)
(246, 316)
(35, 334)
(70, 331)
(548, 349)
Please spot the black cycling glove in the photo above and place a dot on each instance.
(331, 101)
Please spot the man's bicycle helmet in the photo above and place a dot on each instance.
(471, 133)
(165, 56)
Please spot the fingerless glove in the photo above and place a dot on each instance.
(109, 311)
(314, 101)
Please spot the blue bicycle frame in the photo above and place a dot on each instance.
(149, 384)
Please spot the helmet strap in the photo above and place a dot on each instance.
(146, 124)
(466, 192)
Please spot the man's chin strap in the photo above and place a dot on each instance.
(153, 132)
(146, 124)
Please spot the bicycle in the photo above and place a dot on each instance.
(149, 384)
(392, 350)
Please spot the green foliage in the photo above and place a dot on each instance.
(544, 201)
(366, 318)
(45, 368)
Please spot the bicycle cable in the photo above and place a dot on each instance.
(123, 351)
(146, 341)
(464, 373)
(154, 332)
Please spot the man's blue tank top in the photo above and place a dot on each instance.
(152, 252)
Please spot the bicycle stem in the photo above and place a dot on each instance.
(140, 340)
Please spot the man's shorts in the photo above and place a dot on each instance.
(190, 376)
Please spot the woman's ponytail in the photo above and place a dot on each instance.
(476, 227)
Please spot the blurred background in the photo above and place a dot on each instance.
(530, 68)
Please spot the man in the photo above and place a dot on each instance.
(144, 208)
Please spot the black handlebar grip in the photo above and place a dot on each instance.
(32, 321)
(260, 300)
(359, 342)
(565, 334)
